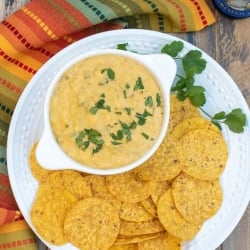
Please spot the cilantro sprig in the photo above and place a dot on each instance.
(192, 64)
(235, 119)
(185, 87)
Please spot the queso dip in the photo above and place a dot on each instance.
(106, 111)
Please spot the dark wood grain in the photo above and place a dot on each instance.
(228, 42)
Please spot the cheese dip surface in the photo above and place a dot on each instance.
(106, 111)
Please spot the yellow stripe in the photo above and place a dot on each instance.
(13, 226)
(128, 10)
(45, 27)
(40, 22)
(195, 15)
(25, 59)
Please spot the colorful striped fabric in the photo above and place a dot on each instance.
(36, 32)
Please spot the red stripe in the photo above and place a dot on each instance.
(10, 86)
(17, 62)
(24, 41)
(183, 25)
(200, 12)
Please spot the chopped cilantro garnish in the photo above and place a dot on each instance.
(110, 73)
(149, 101)
(138, 85)
(92, 137)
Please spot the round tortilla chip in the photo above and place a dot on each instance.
(121, 239)
(131, 228)
(159, 188)
(80, 188)
(149, 205)
(189, 124)
(92, 223)
(37, 170)
(204, 154)
(48, 213)
(134, 212)
(172, 220)
(127, 187)
(165, 241)
(165, 164)
(196, 200)
(99, 189)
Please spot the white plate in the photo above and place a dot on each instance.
(222, 94)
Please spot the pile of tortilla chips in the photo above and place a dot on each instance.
(157, 206)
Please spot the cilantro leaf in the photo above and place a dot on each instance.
(236, 120)
(149, 101)
(196, 95)
(110, 73)
(100, 105)
(93, 136)
(219, 116)
(139, 84)
(193, 63)
(173, 48)
(122, 46)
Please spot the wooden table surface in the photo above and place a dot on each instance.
(228, 42)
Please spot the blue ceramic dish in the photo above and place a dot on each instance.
(234, 8)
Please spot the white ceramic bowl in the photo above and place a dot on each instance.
(49, 153)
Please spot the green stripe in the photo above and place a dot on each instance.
(157, 13)
(18, 82)
(128, 10)
(94, 11)
(65, 13)
(3, 161)
(123, 8)
(3, 133)
(4, 108)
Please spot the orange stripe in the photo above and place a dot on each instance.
(14, 226)
(181, 15)
(41, 23)
(19, 243)
(29, 25)
(7, 216)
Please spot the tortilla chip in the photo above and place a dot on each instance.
(192, 123)
(172, 220)
(205, 154)
(92, 223)
(159, 188)
(127, 187)
(165, 241)
(134, 212)
(130, 228)
(48, 213)
(196, 200)
(135, 239)
(37, 170)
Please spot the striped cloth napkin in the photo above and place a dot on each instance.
(40, 29)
